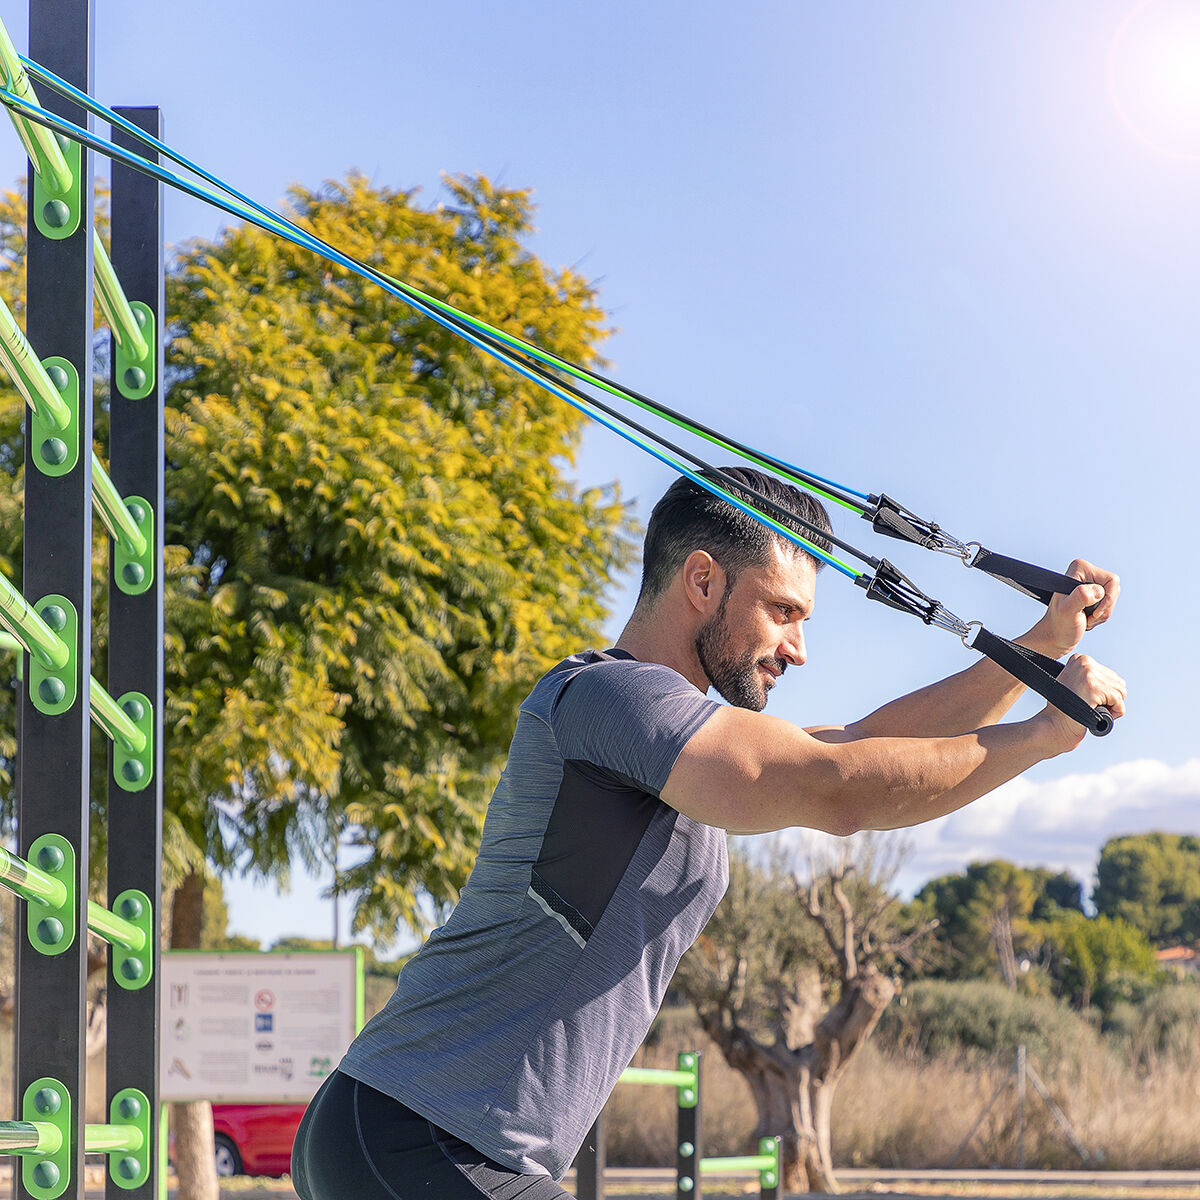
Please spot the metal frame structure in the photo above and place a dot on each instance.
(690, 1164)
(51, 621)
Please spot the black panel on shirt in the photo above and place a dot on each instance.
(598, 822)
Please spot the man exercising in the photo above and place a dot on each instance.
(604, 851)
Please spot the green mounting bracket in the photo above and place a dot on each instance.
(134, 771)
(135, 575)
(689, 1094)
(57, 214)
(769, 1177)
(47, 1176)
(52, 928)
(56, 451)
(130, 1169)
(132, 969)
(53, 692)
(135, 376)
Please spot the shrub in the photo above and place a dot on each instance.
(935, 1017)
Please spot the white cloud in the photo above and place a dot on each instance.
(1056, 823)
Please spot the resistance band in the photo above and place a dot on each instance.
(885, 584)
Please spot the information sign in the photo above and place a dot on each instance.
(249, 1027)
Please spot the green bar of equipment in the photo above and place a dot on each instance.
(115, 929)
(111, 1139)
(30, 882)
(34, 383)
(114, 304)
(40, 143)
(27, 372)
(29, 629)
(29, 1137)
(654, 1075)
(34, 885)
(746, 1162)
(109, 715)
(31, 633)
(114, 512)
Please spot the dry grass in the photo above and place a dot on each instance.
(897, 1110)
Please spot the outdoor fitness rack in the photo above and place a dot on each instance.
(48, 623)
(690, 1165)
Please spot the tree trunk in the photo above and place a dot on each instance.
(195, 1162)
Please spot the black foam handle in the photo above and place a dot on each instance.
(1034, 581)
(1041, 673)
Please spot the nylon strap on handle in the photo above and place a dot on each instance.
(1034, 581)
(1040, 673)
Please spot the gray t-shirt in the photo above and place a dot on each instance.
(510, 1026)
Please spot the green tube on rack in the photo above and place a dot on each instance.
(745, 1162)
(114, 512)
(653, 1075)
(114, 304)
(109, 715)
(29, 629)
(29, 1137)
(40, 144)
(109, 1139)
(115, 929)
(30, 882)
(27, 372)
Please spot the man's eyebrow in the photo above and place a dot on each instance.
(799, 605)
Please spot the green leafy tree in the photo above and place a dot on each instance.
(374, 547)
(1152, 880)
(373, 550)
(1099, 961)
(990, 916)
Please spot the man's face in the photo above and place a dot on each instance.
(757, 630)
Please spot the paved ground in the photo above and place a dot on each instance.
(624, 1184)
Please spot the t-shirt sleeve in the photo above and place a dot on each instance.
(629, 717)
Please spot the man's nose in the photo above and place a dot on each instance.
(793, 648)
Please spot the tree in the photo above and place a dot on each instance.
(373, 547)
(989, 916)
(375, 550)
(789, 979)
(1100, 961)
(1152, 880)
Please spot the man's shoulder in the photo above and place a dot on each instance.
(609, 674)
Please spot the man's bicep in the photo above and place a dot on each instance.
(753, 773)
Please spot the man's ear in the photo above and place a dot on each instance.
(703, 582)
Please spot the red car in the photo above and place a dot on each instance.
(255, 1139)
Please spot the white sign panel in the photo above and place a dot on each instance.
(243, 1027)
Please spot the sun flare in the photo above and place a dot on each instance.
(1154, 75)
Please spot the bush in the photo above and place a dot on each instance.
(936, 1017)
(1166, 1025)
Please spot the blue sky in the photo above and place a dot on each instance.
(946, 250)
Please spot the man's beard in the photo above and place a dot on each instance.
(736, 677)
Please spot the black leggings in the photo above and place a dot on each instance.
(355, 1143)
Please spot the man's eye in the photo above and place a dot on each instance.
(785, 610)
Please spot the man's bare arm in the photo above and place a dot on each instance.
(983, 693)
(753, 773)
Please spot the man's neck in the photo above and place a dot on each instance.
(650, 638)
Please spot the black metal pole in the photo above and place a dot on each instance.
(54, 750)
(590, 1164)
(135, 650)
(688, 1144)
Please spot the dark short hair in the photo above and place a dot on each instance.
(688, 517)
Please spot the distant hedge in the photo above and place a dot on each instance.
(1165, 1025)
(936, 1017)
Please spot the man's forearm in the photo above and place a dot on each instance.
(979, 696)
(890, 783)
